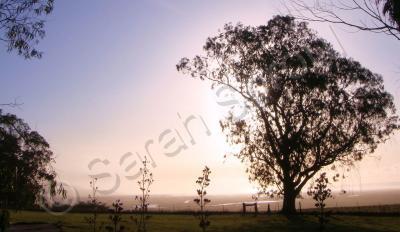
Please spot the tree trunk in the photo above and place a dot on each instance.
(289, 198)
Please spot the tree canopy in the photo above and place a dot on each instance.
(26, 171)
(22, 25)
(308, 107)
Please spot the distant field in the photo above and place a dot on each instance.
(373, 209)
(232, 203)
(222, 223)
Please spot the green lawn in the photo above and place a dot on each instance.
(223, 223)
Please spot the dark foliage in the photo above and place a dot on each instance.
(95, 206)
(116, 218)
(320, 192)
(26, 171)
(144, 186)
(22, 24)
(308, 107)
(391, 8)
(81, 207)
(203, 182)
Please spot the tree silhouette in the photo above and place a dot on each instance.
(391, 8)
(26, 172)
(22, 25)
(116, 218)
(203, 182)
(308, 107)
(379, 16)
(320, 192)
(94, 205)
(143, 199)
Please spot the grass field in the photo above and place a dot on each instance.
(221, 223)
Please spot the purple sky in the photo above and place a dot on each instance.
(107, 85)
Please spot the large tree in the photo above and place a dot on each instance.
(22, 24)
(26, 172)
(308, 107)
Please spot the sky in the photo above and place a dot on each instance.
(107, 92)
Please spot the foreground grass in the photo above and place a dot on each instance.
(221, 223)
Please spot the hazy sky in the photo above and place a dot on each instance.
(107, 85)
